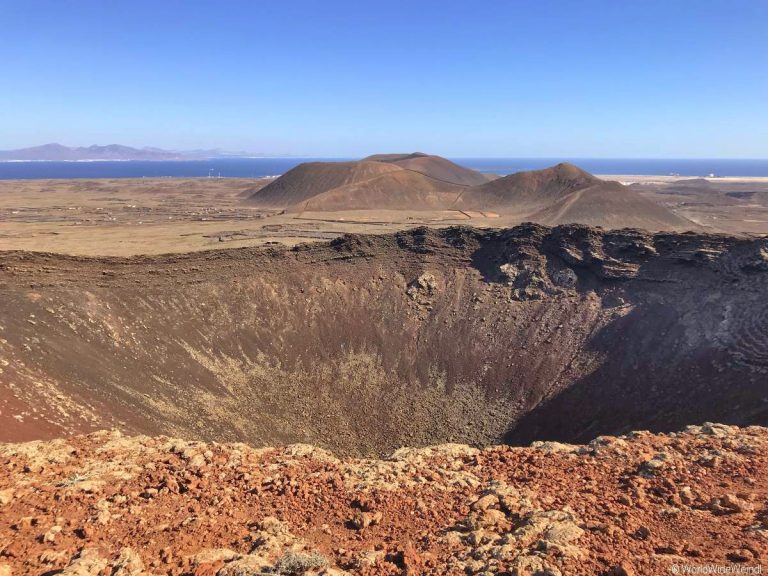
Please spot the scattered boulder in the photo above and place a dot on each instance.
(50, 536)
(213, 555)
(88, 562)
(362, 519)
(6, 496)
(623, 569)
(129, 563)
(423, 288)
(248, 565)
(54, 557)
(532, 565)
(565, 278)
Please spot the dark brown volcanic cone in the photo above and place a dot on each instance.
(308, 180)
(395, 157)
(433, 166)
(563, 194)
(566, 194)
(532, 188)
(372, 342)
(398, 190)
(367, 185)
(332, 186)
(611, 205)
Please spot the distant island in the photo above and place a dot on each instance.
(61, 153)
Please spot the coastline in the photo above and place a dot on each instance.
(625, 179)
(661, 179)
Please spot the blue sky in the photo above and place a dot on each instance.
(587, 78)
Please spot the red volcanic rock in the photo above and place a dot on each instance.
(449, 509)
(623, 569)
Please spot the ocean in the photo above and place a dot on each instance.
(259, 167)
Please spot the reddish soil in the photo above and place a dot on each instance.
(638, 504)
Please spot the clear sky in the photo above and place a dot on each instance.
(586, 78)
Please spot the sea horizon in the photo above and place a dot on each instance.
(260, 167)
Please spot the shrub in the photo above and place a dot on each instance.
(293, 563)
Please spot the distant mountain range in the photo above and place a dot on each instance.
(53, 152)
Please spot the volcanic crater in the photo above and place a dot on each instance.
(372, 342)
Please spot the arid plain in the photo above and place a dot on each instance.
(123, 217)
(154, 216)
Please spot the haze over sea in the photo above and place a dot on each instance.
(259, 167)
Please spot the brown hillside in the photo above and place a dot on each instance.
(557, 195)
(433, 166)
(530, 190)
(397, 190)
(611, 205)
(396, 157)
(566, 194)
(310, 179)
(363, 185)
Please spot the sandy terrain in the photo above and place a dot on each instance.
(154, 216)
(731, 205)
(646, 179)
